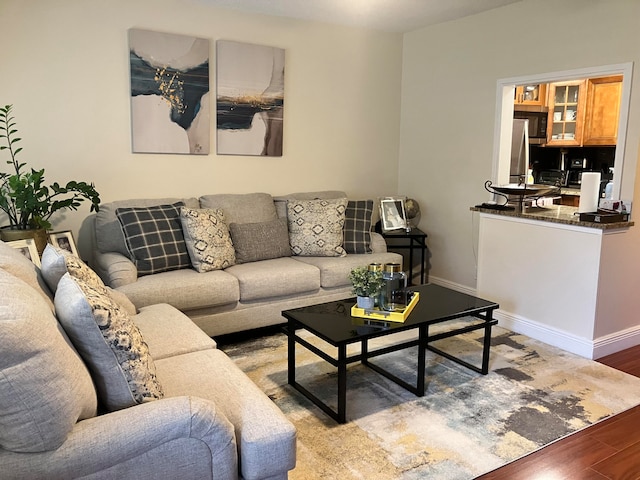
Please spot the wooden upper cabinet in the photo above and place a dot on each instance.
(602, 111)
(567, 102)
(532, 94)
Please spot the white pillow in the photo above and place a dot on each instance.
(207, 237)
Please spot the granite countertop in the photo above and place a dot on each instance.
(554, 214)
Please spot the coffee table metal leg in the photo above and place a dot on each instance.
(487, 342)
(291, 352)
(342, 384)
(422, 350)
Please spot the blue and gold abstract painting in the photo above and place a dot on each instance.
(250, 99)
(169, 93)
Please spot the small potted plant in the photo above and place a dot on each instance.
(366, 285)
(25, 199)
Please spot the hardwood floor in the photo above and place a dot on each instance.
(607, 450)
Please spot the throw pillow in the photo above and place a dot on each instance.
(109, 342)
(44, 386)
(261, 240)
(154, 237)
(207, 237)
(357, 226)
(57, 261)
(316, 227)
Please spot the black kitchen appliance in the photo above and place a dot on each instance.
(537, 117)
(574, 172)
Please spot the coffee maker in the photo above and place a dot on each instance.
(574, 172)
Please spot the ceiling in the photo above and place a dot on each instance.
(388, 15)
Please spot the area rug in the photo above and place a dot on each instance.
(467, 424)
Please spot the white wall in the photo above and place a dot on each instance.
(450, 73)
(65, 69)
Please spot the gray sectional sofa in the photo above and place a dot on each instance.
(75, 402)
(266, 277)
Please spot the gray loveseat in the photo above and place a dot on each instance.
(71, 408)
(252, 292)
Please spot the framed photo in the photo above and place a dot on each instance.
(28, 248)
(392, 214)
(63, 240)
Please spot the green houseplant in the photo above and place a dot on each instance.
(366, 284)
(24, 197)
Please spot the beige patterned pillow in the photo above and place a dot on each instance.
(208, 240)
(57, 261)
(109, 342)
(316, 227)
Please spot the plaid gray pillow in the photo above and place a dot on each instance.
(154, 237)
(357, 226)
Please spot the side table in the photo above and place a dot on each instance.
(415, 239)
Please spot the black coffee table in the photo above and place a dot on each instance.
(333, 323)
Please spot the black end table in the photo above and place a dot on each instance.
(415, 239)
(333, 323)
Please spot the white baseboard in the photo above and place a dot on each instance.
(544, 333)
(616, 342)
(453, 286)
(584, 347)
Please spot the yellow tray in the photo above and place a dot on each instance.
(378, 314)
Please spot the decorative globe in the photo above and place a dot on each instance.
(412, 209)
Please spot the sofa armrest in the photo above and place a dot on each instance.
(115, 269)
(378, 245)
(104, 446)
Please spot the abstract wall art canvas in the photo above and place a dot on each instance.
(249, 99)
(169, 93)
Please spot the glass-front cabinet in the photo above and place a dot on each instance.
(566, 113)
(532, 94)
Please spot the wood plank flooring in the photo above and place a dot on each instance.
(607, 450)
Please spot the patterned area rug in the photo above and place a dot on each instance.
(467, 424)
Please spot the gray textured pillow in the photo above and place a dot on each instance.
(109, 342)
(316, 227)
(57, 261)
(44, 386)
(261, 240)
(207, 238)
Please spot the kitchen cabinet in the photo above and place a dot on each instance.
(567, 102)
(602, 110)
(532, 94)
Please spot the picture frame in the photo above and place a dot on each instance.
(28, 248)
(64, 240)
(392, 214)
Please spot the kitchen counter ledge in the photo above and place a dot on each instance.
(555, 214)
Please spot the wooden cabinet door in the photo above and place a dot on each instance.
(566, 113)
(532, 94)
(603, 110)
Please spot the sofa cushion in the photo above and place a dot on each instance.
(334, 271)
(44, 386)
(108, 231)
(109, 342)
(357, 226)
(184, 289)
(158, 325)
(57, 261)
(154, 237)
(260, 240)
(316, 227)
(274, 278)
(207, 237)
(242, 207)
